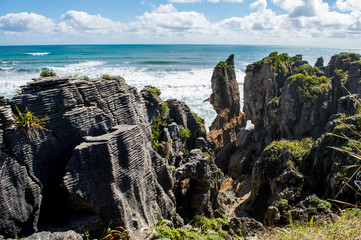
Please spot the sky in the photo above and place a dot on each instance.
(331, 23)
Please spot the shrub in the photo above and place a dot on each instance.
(47, 73)
(228, 64)
(176, 233)
(28, 123)
(207, 154)
(185, 134)
(106, 77)
(200, 121)
(311, 87)
(86, 78)
(155, 90)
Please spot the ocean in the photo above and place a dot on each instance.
(180, 71)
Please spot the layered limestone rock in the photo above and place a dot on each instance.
(295, 109)
(311, 103)
(98, 159)
(225, 99)
(179, 136)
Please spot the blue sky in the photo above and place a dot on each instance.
(334, 23)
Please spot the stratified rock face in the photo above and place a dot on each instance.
(285, 97)
(296, 109)
(225, 96)
(117, 179)
(310, 102)
(226, 102)
(97, 161)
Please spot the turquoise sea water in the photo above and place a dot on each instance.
(179, 71)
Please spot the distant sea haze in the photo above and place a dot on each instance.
(180, 71)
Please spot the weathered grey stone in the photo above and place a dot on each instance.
(69, 235)
(117, 184)
(197, 186)
(225, 100)
(272, 216)
(319, 62)
(74, 109)
(248, 226)
(20, 198)
(146, 234)
(243, 137)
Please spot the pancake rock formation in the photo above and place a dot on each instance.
(100, 152)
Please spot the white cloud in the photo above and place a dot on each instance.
(305, 8)
(259, 4)
(213, 1)
(184, 1)
(303, 20)
(310, 8)
(259, 21)
(288, 5)
(84, 23)
(26, 22)
(348, 5)
(233, 1)
(166, 20)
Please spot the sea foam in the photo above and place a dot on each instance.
(192, 86)
(37, 53)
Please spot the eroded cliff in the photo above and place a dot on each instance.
(106, 154)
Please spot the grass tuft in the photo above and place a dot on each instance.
(28, 123)
(47, 73)
(347, 226)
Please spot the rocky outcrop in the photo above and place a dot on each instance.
(296, 109)
(225, 99)
(107, 154)
(180, 137)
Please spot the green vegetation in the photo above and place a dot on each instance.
(321, 205)
(106, 77)
(283, 203)
(176, 233)
(203, 228)
(185, 134)
(207, 154)
(47, 73)
(310, 86)
(280, 62)
(297, 149)
(347, 226)
(86, 78)
(157, 128)
(274, 101)
(228, 64)
(200, 121)
(155, 90)
(28, 123)
(109, 233)
(348, 57)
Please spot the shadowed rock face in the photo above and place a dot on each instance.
(96, 162)
(226, 102)
(288, 100)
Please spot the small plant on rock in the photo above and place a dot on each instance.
(47, 73)
(28, 123)
(155, 90)
(107, 77)
(86, 78)
(185, 134)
